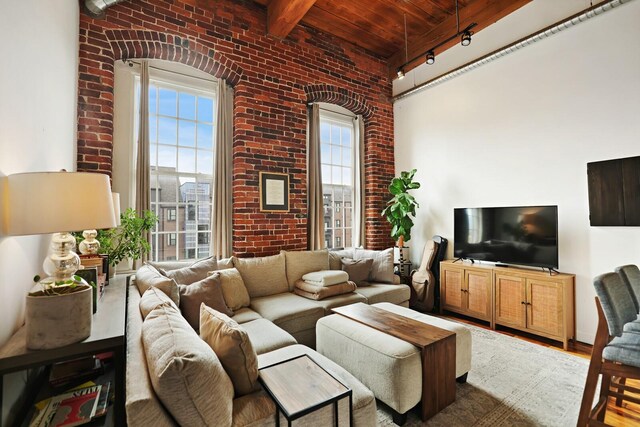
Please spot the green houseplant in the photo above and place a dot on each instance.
(127, 241)
(401, 209)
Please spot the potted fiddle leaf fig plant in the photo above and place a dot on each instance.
(401, 208)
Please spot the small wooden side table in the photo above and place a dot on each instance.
(300, 386)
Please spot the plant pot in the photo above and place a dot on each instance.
(54, 321)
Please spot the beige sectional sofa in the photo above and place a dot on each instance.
(279, 324)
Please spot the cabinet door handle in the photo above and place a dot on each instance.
(522, 302)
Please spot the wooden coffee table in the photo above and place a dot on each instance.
(300, 386)
(437, 347)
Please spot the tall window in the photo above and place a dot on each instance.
(181, 133)
(337, 158)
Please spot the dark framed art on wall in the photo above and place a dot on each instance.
(274, 192)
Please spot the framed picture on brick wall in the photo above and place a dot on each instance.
(274, 192)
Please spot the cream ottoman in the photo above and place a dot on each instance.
(388, 366)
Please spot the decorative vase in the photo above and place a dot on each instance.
(54, 321)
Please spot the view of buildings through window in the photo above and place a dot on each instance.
(337, 146)
(181, 134)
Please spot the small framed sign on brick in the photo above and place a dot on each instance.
(274, 192)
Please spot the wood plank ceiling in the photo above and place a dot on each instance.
(378, 25)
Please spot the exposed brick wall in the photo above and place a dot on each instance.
(273, 80)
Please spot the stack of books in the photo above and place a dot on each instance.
(66, 374)
(74, 407)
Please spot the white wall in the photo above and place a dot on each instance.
(38, 80)
(520, 131)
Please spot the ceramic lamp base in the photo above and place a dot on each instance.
(58, 320)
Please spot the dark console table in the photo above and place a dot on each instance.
(107, 335)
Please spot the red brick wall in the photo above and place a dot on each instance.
(273, 80)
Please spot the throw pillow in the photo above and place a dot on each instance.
(195, 272)
(358, 270)
(299, 263)
(207, 291)
(233, 288)
(147, 276)
(336, 255)
(263, 275)
(152, 298)
(232, 345)
(186, 374)
(382, 268)
(225, 263)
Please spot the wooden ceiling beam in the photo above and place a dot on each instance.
(482, 12)
(283, 15)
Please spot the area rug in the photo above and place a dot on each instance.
(511, 383)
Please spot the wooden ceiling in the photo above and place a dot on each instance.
(378, 25)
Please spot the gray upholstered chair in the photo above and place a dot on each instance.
(618, 356)
(630, 275)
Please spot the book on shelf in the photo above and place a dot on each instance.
(72, 408)
(77, 370)
(103, 401)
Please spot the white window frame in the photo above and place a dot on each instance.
(340, 117)
(125, 121)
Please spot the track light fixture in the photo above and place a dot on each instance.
(465, 40)
(431, 57)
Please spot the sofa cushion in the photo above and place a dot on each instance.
(152, 298)
(358, 270)
(142, 404)
(225, 263)
(233, 288)
(382, 268)
(148, 276)
(339, 300)
(207, 291)
(382, 292)
(336, 255)
(255, 410)
(232, 345)
(245, 315)
(289, 311)
(265, 336)
(193, 273)
(185, 373)
(364, 402)
(169, 265)
(264, 275)
(299, 263)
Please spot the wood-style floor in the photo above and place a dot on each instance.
(625, 416)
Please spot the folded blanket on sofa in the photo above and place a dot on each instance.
(307, 290)
(326, 277)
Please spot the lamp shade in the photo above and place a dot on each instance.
(116, 207)
(50, 202)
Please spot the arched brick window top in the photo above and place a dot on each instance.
(353, 102)
(130, 44)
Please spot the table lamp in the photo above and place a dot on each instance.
(58, 202)
(90, 245)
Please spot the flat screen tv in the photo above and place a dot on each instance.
(523, 235)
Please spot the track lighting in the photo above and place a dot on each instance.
(431, 57)
(465, 40)
(400, 73)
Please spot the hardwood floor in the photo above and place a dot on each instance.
(626, 416)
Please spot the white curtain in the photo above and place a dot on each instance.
(143, 177)
(358, 184)
(221, 208)
(315, 217)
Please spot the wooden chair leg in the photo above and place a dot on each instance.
(589, 391)
(622, 381)
(595, 366)
(604, 395)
